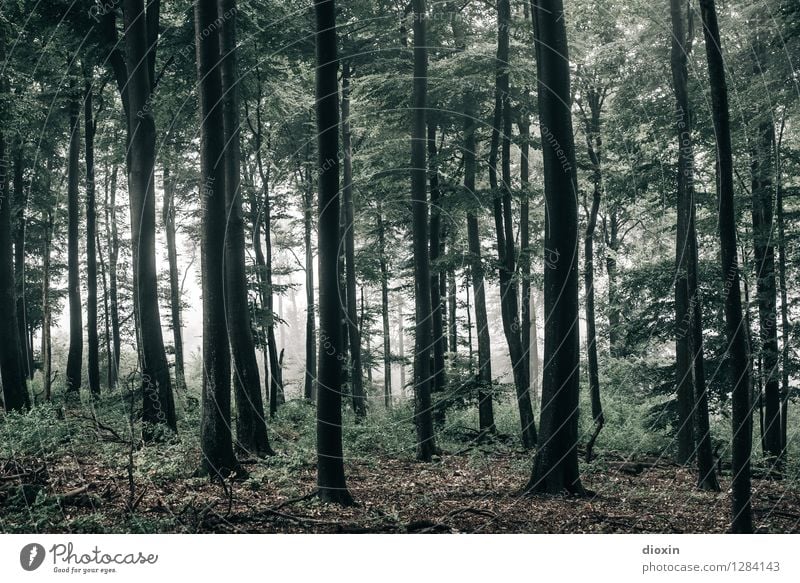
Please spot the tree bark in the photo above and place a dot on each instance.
(423, 414)
(734, 323)
(158, 400)
(555, 467)
(437, 298)
(175, 300)
(251, 426)
(15, 387)
(90, 129)
(310, 381)
(331, 483)
(20, 203)
(785, 328)
(353, 332)
(75, 354)
(509, 301)
(216, 441)
(47, 373)
(113, 256)
(387, 343)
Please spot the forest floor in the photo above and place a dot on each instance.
(87, 478)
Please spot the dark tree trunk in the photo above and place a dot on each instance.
(106, 314)
(330, 461)
(15, 388)
(158, 400)
(175, 300)
(611, 236)
(251, 426)
(90, 128)
(452, 311)
(594, 101)
(683, 315)
(47, 374)
(785, 328)
(310, 380)
(423, 414)
(215, 429)
(509, 301)
(113, 256)
(356, 372)
(742, 521)
(20, 203)
(387, 343)
(555, 468)
(525, 240)
(763, 199)
(484, 374)
(75, 354)
(437, 299)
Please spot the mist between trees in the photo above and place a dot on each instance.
(274, 242)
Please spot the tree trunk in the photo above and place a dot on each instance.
(509, 301)
(330, 461)
(594, 143)
(763, 199)
(47, 373)
(423, 333)
(175, 300)
(90, 128)
(740, 373)
(484, 374)
(387, 342)
(113, 256)
(158, 401)
(401, 350)
(525, 240)
(611, 235)
(353, 333)
(785, 328)
(15, 388)
(75, 354)
(216, 441)
(555, 468)
(437, 305)
(310, 381)
(20, 203)
(251, 426)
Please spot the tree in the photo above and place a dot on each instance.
(506, 252)
(356, 373)
(423, 334)
(330, 463)
(75, 355)
(555, 467)
(739, 370)
(170, 229)
(15, 387)
(691, 383)
(251, 427)
(141, 29)
(90, 129)
(216, 441)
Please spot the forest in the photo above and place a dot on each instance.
(399, 266)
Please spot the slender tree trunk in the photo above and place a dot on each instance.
(158, 400)
(251, 426)
(423, 333)
(75, 354)
(762, 168)
(387, 343)
(594, 149)
(509, 301)
(113, 256)
(437, 305)
(216, 441)
(683, 315)
(401, 350)
(484, 374)
(785, 329)
(20, 203)
(91, 242)
(106, 315)
(47, 373)
(168, 218)
(330, 461)
(555, 467)
(452, 311)
(353, 332)
(611, 235)
(310, 381)
(15, 388)
(525, 240)
(740, 373)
